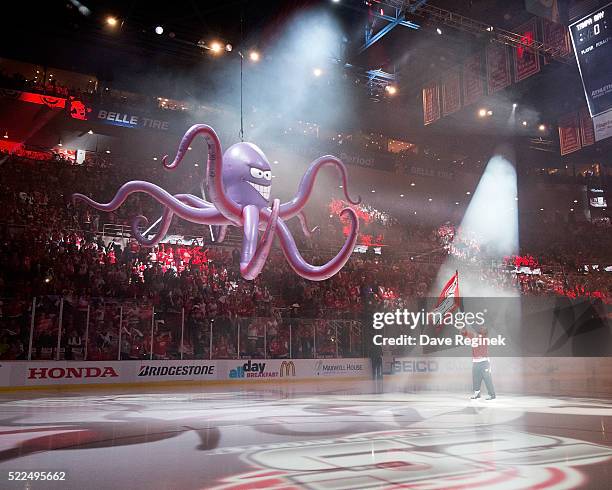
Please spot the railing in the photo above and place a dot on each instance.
(57, 328)
(115, 231)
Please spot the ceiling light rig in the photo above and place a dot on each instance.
(391, 89)
(443, 17)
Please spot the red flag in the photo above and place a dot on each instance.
(449, 299)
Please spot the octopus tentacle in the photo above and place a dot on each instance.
(321, 272)
(209, 134)
(193, 214)
(139, 220)
(252, 262)
(165, 220)
(219, 237)
(194, 201)
(202, 203)
(304, 222)
(293, 207)
(226, 206)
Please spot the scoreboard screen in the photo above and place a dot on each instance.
(592, 40)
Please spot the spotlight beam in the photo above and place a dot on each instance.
(492, 217)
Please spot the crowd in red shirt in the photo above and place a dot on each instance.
(49, 249)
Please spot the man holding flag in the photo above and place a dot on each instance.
(450, 300)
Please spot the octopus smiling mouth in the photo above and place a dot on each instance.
(264, 190)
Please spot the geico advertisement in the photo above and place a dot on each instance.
(423, 366)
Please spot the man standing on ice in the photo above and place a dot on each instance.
(481, 366)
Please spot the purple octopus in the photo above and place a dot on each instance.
(238, 185)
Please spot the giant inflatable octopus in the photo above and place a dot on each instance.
(238, 185)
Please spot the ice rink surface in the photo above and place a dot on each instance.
(329, 435)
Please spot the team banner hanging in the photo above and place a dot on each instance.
(526, 60)
(548, 9)
(569, 133)
(498, 68)
(556, 36)
(431, 103)
(587, 131)
(451, 92)
(473, 85)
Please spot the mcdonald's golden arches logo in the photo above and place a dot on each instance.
(287, 369)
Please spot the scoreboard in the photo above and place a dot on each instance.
(592, 41)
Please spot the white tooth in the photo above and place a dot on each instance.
(262, 189)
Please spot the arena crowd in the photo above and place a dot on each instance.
(52, 248)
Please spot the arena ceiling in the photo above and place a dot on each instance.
(60, 35)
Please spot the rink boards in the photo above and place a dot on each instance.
(65, 373)
(578, 376)
(571, 376)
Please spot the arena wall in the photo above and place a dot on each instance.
(561, 376)
(565, 376)
(31, 374)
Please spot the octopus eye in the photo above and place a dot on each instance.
(268, 175)
(258, 174)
